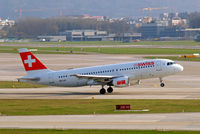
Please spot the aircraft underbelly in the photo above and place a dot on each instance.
(74, 82)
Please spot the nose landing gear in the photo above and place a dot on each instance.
(162, 84)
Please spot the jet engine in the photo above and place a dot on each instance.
(121, 82)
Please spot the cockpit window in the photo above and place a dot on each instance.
(170, 63)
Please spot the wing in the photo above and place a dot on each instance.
(97, 78)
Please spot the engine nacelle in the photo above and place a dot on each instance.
(121, 82)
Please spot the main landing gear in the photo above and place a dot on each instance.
(110, 90)
(162, 84)
(103, 91)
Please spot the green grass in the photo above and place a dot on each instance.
(105, 50)
(84, 107)
(52, 131)
(176, 58)
(15, 84)
(111, 43)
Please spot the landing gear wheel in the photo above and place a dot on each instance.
(102, 91)
(110, 90)
(162, 84)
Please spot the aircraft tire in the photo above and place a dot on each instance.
(162, 84)
(102, 91)
(110, 90)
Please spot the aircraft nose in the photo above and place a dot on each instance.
(180, 68)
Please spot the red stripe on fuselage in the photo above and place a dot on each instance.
(145, 64)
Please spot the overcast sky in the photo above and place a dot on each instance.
(112, 8)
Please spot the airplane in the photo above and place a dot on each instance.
(117, 75)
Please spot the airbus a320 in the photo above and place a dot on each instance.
(117, 75)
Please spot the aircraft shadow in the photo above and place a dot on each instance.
(51, 94)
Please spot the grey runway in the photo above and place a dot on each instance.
(175, 121)
(89, 92)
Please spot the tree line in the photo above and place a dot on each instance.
(194, 20)
(33, 27)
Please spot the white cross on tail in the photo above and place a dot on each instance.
(29, 61)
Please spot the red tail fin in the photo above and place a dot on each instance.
(31, 63)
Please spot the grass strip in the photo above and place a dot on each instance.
(15, 84)
(84, 107)
(105, 50)
(53, 131)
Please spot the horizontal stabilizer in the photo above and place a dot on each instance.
(28, 79)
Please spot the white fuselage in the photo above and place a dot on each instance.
(133, 70)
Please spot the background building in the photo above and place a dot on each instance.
(153, 30)
(86, 35)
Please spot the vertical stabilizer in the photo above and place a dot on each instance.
(31, 63)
